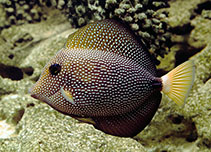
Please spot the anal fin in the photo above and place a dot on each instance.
(130, 124)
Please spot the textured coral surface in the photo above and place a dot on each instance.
(31, 32)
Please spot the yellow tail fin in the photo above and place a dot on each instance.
(178, 82)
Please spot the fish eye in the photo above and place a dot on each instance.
(55, 69)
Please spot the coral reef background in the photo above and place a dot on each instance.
(31, 32)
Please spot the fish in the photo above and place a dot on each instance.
(105, 76)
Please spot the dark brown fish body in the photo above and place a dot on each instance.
(131, 123)
(103, 76)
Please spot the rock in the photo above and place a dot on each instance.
(180, 12)
(16, 41)
(200, 36)
(185, 128)
(41, 128)
(178, 128)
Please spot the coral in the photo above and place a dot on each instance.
(141, 16)
(19, 12)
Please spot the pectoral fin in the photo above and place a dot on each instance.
(67, 95)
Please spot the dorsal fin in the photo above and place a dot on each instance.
(110, 35)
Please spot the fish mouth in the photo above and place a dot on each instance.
(34, 96)
(50, 100)
(41, 97)
(53, 100)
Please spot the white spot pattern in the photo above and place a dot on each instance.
(105, 69)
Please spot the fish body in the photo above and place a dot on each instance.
(105, 77)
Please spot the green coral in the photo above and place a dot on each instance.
(140, 16)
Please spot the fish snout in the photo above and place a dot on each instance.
(34, 96)
(33, 91)
(37, 96)
(37, 93)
